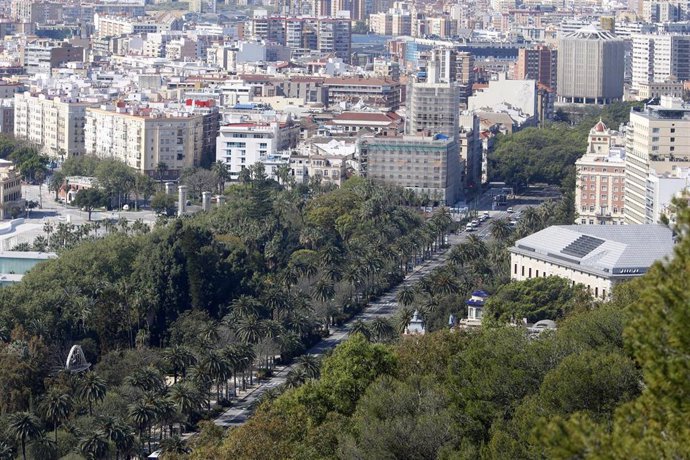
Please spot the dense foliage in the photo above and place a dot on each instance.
(178, 319)
(611, 382)
(548, 155)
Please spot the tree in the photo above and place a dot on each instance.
(173, 446)
(91, 389)
(163, 203)
(406, 295)
(142, 415)
(536, 299)
(57, 406)
(117, 180)
(24, 426)
(178, 358)
(199, 180)
(220, 169)
(56, 182)
(186, 398)
(94, 446)
(89, 199)
(143, 187)
(500, 229)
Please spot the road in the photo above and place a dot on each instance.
(384, 307)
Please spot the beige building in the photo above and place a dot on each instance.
(10, 189)
(145, 138)
(657, 139)
(595, 256)
(600, 182)
(55, 125)
(429, 166)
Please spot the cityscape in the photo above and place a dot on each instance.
(344, 229)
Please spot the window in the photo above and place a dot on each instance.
(530, 272)
(515, 270)
(673, 130)
(523, 270)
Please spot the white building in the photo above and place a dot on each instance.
(518, 98)
(241, 145)
(145, 138)
(596, 256)
(600, 180)
(55, 124)
(659, 59)
(658, 139)
(661, 189)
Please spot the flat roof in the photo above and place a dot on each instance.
(607, 251)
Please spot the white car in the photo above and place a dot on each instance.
(509, 210)
(469, 227)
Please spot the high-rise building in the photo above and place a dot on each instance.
(657, 139)
(433, 107)
(590, 67)
(42, 56)
(144, 138)
(429, 166)
(659, 58)
(600, 180)
(540, 63)
(56, 125)
(326, 35)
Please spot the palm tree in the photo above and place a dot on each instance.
(94, 446)
(406, 295)
(360, 327)
(143, 416)
(311, 365)
(382, 330)
(500, 229)
(403, 319)
(250, 329)
(296, 377)
(245, 306)
(57, 406)
(24, 426)
(178, 358)
(186, 398)
(146, 378)
(222, 174)
(117, 432)
(174, 445)
(91, 389)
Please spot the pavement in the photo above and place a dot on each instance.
(384, 307)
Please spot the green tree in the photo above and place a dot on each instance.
(57, 407)
(91, 389)
(94, 446)
(25, 427)
(89, 199)
(163, 203)
(57, 180)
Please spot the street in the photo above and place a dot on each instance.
(384, 307)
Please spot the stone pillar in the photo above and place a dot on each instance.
(169, 190)
(206, 201)
(181, 199)
(221, 200)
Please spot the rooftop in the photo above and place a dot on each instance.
(603, 250)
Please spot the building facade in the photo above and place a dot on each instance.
(659, 59)
(55, 125)
(429, 166)
(540, 64)
(600, 180)
(657, 139)
(145, 139)
(595, 256)
(590, 67)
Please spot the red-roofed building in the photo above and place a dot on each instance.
(350, 123)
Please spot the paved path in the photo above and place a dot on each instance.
(384, 307)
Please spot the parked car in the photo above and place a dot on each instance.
(509, 210)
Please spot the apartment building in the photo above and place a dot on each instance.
(658, 140)
(379, 93)
(145, 138)
(429, 166)
(55, 125)
(241, 145)
(114, 26)
(304, 34)
(433, 107)
(42, 56)
(540, 63)
(659, 59)
(600, 180)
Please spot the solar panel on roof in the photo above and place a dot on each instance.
(582, 246)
